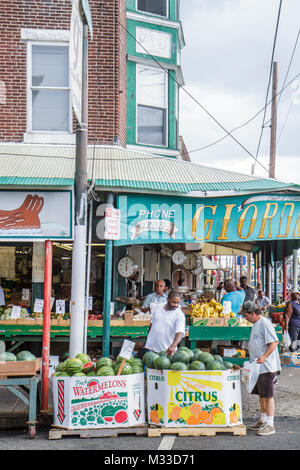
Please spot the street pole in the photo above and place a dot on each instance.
(273, 122)
(107, 288)
(80, 226)
(46, 325)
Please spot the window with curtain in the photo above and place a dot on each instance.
(151, 97)
(157, 7)
(49, 88)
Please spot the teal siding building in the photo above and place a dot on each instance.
(154, 43)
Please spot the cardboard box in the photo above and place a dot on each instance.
(98, 402)
(194, 398)
(231, 351)
(291, 359)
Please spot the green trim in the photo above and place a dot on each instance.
(131, 43)
(36, 181)
(188, 187)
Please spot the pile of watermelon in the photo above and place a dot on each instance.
(82, 365)
(185, 359)
(20, 356)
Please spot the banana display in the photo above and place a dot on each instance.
(209, 309)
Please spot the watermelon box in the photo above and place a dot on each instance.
(98, 402)
(210, 398)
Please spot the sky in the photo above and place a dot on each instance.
(226, 66)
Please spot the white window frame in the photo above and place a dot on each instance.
(44, 38)
(154, 14)
(141, 104)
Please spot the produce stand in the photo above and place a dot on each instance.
(21, 379)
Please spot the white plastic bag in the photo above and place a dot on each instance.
(286, 339)
(250, 373)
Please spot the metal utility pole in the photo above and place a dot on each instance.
(80, 227)
(273, 122)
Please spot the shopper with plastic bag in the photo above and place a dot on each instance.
(291, 318)
(263, 350)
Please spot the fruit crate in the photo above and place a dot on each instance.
(20, 368)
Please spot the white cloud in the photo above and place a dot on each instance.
(226, 68)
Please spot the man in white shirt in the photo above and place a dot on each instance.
(167, 327)
(2, 295)
(263, 349)
(262, 300)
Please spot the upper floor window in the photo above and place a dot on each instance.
(152, 105)
(49, 106)
(156, 7)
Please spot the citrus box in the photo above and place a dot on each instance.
(98, 402)
(194, 398)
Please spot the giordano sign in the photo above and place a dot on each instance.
(150, 219)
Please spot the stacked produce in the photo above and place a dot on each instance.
(185, 359)
(209, 309)
(21, 356)
(82, 365)
(5, 313)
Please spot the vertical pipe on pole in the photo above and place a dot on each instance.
(295, 274)
(79, 246)
(88, 270)
(284, 269)
(46, 324)
(107, 288)
(273, 122)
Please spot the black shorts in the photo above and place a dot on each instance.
(265, 385)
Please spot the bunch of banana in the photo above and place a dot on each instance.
(211, 309)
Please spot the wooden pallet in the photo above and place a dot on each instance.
(239, 430)
(58, 433)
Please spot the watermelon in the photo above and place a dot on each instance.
(25, 356)
(162, 362)
(197, 365)
(228, 365)
(149, 358)
(88, 367)
(61, 367)
(189, 351)
(79, 374)
(83, 357)
(196, 353)
(179, 366)
(181, 356)
(127, 369)
(214, 365)
(91, 374)
(162, 353)
(137, 361)
(121, 416)
(205, 357)
(218, 358)
(105, 371)
(73, 366)
(61, 374)
(7, 356)
(104, 362)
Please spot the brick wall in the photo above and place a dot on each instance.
(107, 80)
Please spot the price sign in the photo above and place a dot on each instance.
(60, 306)
(38, 306)
(127, 349)
(112, 224)
(15, 312)
(25, 294)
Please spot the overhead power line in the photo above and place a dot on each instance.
(268, 87)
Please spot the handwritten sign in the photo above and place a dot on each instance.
(60, 306)
(38, 305)
(127, 349)
(15, 312)
(25, 294)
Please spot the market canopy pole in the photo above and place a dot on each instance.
(79, 70)
(46, 325)
(107, 286)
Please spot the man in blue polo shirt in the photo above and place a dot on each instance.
(236, 297)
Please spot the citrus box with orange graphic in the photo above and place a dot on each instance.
(194, 398)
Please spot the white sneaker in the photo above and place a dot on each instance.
(266, 430)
